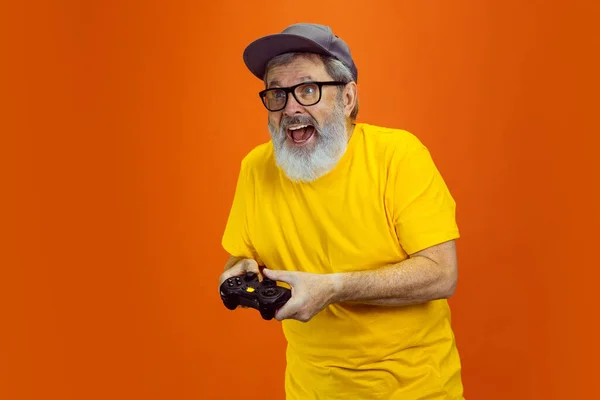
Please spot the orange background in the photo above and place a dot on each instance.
(123, 127)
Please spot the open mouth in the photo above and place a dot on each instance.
(300, 134)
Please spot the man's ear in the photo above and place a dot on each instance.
(350, 98)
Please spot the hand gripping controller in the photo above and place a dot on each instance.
(246, 290)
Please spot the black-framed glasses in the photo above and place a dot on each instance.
(305, 93)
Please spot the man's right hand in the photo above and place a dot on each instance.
(236, 266)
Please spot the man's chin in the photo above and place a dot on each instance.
(306, 164)
(302, 174)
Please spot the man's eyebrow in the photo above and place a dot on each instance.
(277, 83)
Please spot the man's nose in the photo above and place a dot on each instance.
(292, 107)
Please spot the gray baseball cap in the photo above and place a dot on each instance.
(302, 37)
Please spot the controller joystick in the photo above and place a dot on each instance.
(246, 290)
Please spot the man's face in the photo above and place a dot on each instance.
(308, 140)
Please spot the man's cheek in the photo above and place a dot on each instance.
(274, 120)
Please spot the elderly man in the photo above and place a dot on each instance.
(354, 218)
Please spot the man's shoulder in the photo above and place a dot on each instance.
(260, 156)
(397, 140)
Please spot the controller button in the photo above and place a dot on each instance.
(268, 282)
(229, 283)
(270, 292)
(250, 289)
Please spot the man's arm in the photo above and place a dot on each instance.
(429, 274)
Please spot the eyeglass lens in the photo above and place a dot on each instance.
(306, 95)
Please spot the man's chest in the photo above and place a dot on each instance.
(338, 228)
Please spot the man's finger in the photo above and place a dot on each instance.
(287, 310)
(249, 265)
(237, 270)
(278, 275)
(241, 267)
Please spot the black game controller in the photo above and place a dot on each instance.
(247, 290)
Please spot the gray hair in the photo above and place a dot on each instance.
(334, 67)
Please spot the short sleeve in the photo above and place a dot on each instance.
(236, 237)
(424, 212)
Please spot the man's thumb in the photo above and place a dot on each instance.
(250, 265)
(274, 274)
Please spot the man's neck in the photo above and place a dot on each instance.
(350, 129)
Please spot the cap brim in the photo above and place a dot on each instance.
(258, 53)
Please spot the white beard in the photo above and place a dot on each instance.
(308, 164)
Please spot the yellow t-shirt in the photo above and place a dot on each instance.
(385, 199)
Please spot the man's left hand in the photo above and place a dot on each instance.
(311, 293)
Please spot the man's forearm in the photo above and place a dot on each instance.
(415, 280)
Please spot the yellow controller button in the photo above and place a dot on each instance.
(250, 289)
